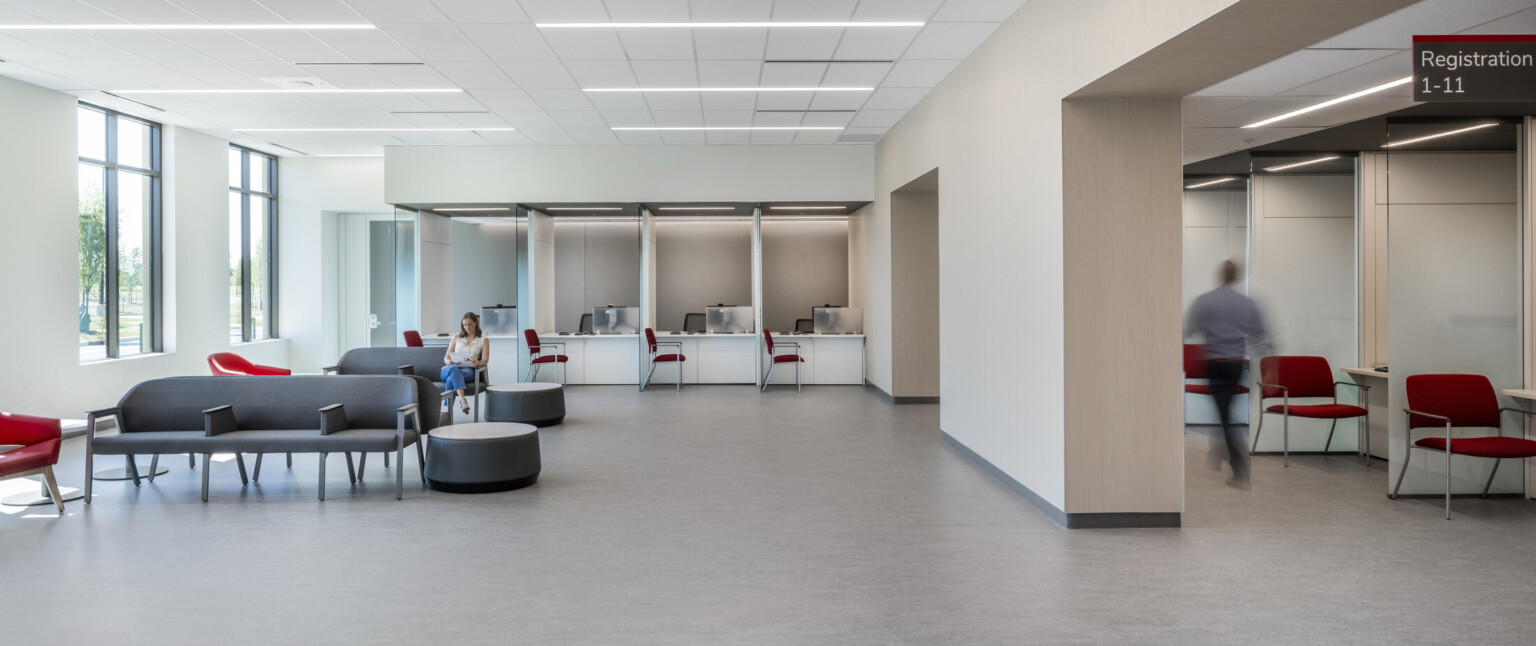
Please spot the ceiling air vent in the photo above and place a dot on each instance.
(858, 139)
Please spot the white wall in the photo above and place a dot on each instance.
(805, 265)
(484, 266)
(312, 192)
(38, 258)
(455, 174)
(700, 264)
(596, 263)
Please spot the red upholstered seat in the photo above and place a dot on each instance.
(1320, 411)
(787, 358)
(669, 357)
(412, 339)
(1484, 447)
(231, 364)
(1205, 389)
(29, 458)
(551, 358)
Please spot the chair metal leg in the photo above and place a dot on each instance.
(351, 472)
(421, 460)
(191, 461)
(256, 473)
(58, 499)
(240, 462)
(648, 376)
(1406, 457)
(679, 366)
(1285, 434)
(1448, 455)
(207, 457)
(1258, 430)
(1495, 470)
(323, 456)
(797, 376)
(154, 465)
(90, 457)
(362, 464)
(1366, 422)
(766, 378)
(386, 459)
(399, 474)
(133, 469)
(290, 460)
(1329, 443)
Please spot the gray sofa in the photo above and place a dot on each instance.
(424, 362)
(286, 414)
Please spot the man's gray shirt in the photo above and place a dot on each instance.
(1228, 321)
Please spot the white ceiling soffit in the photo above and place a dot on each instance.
(1367, 56)
(513, 73)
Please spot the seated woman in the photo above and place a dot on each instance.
(470, 341)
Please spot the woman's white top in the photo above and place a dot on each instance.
(475, 348)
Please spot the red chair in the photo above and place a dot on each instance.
(1303, 377)
(412, 339)
(39, 438)
(1459, 401)
(677, 358)
(777, 359)
(537, 358)
(231, 364)
(1194, 368)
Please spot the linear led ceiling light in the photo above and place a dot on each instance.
(696, 208)
(351, 155)
(674, 128)
(584, 208)
(184, 27)
(1348, 97)
(1437, 136)
(808, 208)
(373, 129)
(721, 25)
(475, 209)
(729, 89)
(317, 90)
(1299, 164)
(1212, 182)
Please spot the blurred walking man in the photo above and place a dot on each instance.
(1230, 324)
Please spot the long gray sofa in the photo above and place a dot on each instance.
(285, 414)
(423, 362)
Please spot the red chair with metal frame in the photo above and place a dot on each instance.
(776, 359)
(231, 364)
(537, 359)
(1306, 377)
(1194, 368)
(653, 346)
(1459, 401)
(39, 438)
(412, 339)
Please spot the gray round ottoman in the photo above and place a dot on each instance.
(536, 403)
(482, 457)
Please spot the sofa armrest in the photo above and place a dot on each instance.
(401, 413)
(92, 416)
(221, 420)
(406, 371)
(330, 369)
(333, 418)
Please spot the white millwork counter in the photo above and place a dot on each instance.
(594, 358)
(712, 358)
(1375, 402)
(829, 359)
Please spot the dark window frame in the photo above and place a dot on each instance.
(247, 322)
(153, 287)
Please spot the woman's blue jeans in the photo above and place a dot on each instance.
(454, 377)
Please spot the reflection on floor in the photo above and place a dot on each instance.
(721, 515)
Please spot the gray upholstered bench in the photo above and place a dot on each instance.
(483, 457)
(287, 414)
(536, 403)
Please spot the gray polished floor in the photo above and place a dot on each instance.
(725, 516)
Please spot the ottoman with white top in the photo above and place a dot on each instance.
(539, 404)
(483, 457)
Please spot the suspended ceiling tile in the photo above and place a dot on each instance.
(744, 73)
(538, 75)
(684, 138)
(602, 74)
(1195, 109)
(728, 101)
(366, 46)
(955, 40)
(570, 119)
(875, 44)
(784, 100)
(816, 137)
(678, 118)
(666, 73)
(812, 10)
(779, 119)
(793, 74)
(728, 137)
(414, 76)
(139, 11)
(978, 10)
(1395, 30)
(856, 74)
(294, 46)
(66, 12)
(472, 75)
(657, 44)
(618, 101)
(435, 42)
(504, 99)
(478, 120)
(510, 42)
(314, 11)
(673, 100)
(382, 12)
(895, 98)
(916, 73)
(480, 11)
(561, 99)
(728, 118)
(827, 119)
(585, 44)
(1389, 68)
(150, 46)
(730, 44)
(773, 137)
(594, 136)
(223, 47)
(565, 10)
(525, 119)
(876, 119)
(1288, 72)
(639, 138)
(732, 10)
(628, 118)
(648, 10)
(898, 10)
(816, 44)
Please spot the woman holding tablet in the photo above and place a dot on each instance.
(467, 350)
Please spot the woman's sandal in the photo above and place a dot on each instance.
(465, 407)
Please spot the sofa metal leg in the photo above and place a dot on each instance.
(53, 488)
(206, 458)
(399, 474)
(362, 465)
(256, 473)
(240, 462)
(191, 461)
(421, 459)
(290, 460)
(351, 472)
(154, 465)
(90, 458)
(323, 456)
(133, 469)
(386, 459)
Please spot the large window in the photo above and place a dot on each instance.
(252, 248)
(119, 312)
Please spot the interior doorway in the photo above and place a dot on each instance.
(915, 290)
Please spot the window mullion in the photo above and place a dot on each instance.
(247, 325)
(110, 223)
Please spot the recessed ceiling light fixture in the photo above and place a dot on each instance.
(728, 89)
(696, 208)
(317, 90)
(584, 208)
(1437, 136)
(1300, 164)
(474, 209)
(676, 128)
(1212, 182)
(184, 27)
(808, 208)
(373, 129)
(721, 25)
(1348, 97)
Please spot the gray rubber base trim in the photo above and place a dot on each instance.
(1454, 496)
(1350, 453)
(898, 400)
(1069, 521)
